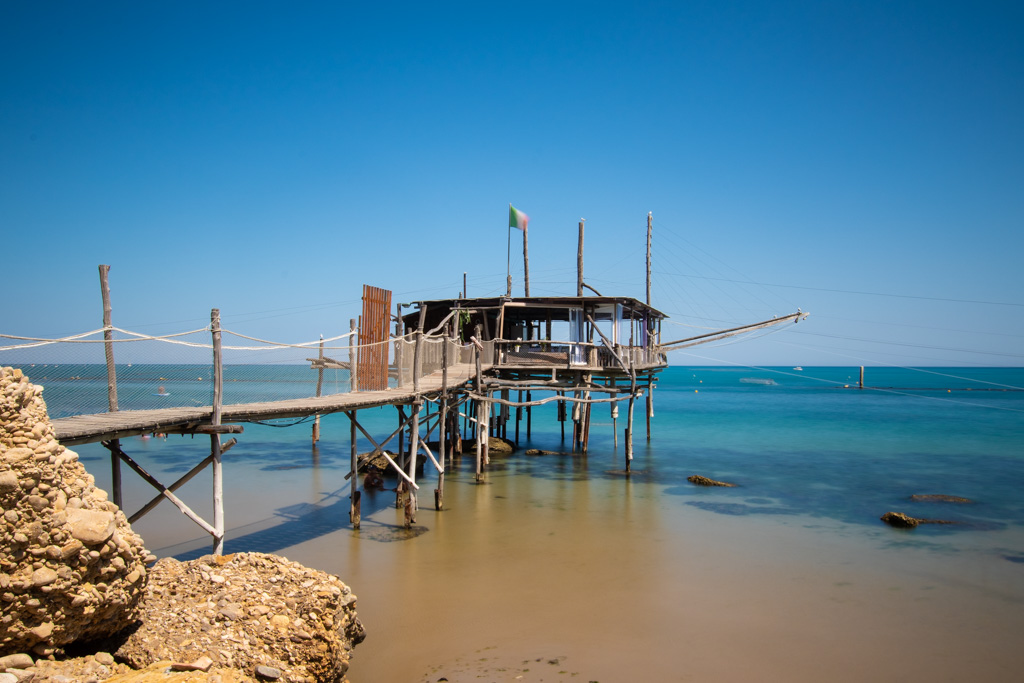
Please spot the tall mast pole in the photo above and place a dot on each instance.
(579, 263)
(526, 262)
(649, 221)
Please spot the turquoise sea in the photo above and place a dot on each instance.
(788, 576)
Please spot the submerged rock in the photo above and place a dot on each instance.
(902, 521)
(496, 446)
(938, 498)
(704, 481)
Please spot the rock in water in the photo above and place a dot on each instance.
(283, 616)
(704, 481)
(938, 498)
(900, 520)
(71, 568)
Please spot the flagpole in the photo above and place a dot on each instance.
(508, 254)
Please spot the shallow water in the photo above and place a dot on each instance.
(560, 568)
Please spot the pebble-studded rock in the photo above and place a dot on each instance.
(246, 611)
(71, 567)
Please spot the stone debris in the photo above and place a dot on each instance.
(704, 481)
(284, 616)
(71, 568)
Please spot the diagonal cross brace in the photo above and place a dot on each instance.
(378, 449)
(225, 447)
(166, 492)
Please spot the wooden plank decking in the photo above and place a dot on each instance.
(81, 429)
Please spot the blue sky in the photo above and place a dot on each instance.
(862, 161)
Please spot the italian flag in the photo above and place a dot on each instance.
(517, 219)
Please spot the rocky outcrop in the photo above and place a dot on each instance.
(70, 566)
(704, 481)
(903, 521)
(497, 446)
(247, 611)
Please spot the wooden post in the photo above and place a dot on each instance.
(526, 264)
(319, 389)
(399, 347)
(353, 356)
(218, 397)
(481, 415)
(442, 440)
(579, 263)
(355, 495)
(108, 337)
(529, 413)
(108, 347)
(615, 418)
(649, 222)
(414, 445)
(561, 413)
(503, 415)
(519, 414)
(861, 384)
(417, 357)
(465, 295)
(650, 406)
(629, 417)
(401, 434)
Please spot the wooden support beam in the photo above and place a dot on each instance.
(225, 447)
(379, 448)
(214, 429)
(185, 509)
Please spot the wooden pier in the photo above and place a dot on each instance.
(485, 361)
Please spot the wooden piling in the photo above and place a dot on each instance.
(319, 390)
(629, 417)
(650, 406)
(579, 263)
(414, 445)
(442, 436)
(218, 397)
(355, 497)
(529, 413)
(861, 383)
(108, 348)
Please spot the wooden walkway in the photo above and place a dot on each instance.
(81, 429)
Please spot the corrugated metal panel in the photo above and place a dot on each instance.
(373, 335)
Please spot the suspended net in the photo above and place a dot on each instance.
(175, 371)
(172, 371)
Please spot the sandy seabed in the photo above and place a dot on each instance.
(547, 579)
